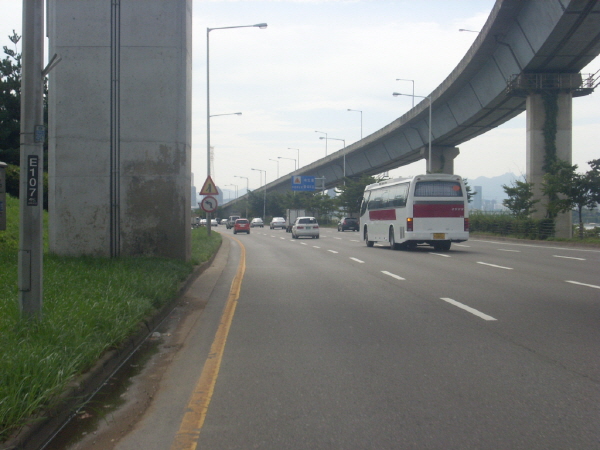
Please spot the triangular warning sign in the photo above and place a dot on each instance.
(209, 188)
(297, 180)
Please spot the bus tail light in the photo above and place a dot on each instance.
(409, 224)
(466, 224)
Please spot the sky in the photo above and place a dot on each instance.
(319, 58)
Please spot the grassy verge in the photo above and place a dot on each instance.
(90, 305)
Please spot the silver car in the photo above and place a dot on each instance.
(305, 226)
(277, 222)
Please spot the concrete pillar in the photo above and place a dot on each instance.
(442, 159)
(536, 152)
(120, 127)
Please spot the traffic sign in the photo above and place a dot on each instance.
(209, 188)
(303, 183)
(209, 204)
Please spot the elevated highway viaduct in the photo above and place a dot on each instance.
(526, 50)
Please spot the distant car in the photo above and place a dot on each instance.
(348, 223)
(277, 222)
(257, 222)
(202, 222)
(305, 226)
(241, 226)
(231, 221)
(223, 221)
(214, 223)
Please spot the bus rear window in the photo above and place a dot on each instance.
(438, 189)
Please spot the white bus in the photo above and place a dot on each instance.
(426, 209)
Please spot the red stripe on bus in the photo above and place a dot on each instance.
(438, 210)
(382, 214)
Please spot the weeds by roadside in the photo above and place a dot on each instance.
(90, 305)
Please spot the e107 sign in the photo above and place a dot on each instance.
(303, 183)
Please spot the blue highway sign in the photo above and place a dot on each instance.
(303, 183)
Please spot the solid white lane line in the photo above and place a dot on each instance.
(462, 245)
(439, 254)
(468, 308)
(583, 284)
(494, 265)
(506, 250)
(332, 251)
(397, 277)
(357, 260)
(569, 257)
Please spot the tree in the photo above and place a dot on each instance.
(568, 189)
(10, 103)
(520, 198)
(351, 193)
(470, 192)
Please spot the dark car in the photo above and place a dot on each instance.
(348, 223)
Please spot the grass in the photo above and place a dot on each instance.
(90, 305)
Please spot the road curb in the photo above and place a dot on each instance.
(43, 428)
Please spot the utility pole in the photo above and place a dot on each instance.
(33, 134)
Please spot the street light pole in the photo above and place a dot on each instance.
(227, 114)
(290, 148)
(357, 110)
(413, 89)
(265, 191)
(247, 188)
(344, 141)
(325, 140)
(277, 165)
(395, 94)
(236, 189)
(262, 26)
(291, 159)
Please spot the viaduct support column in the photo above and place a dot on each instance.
(536, 151)
(442, 159)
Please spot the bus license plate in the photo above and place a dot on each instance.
(439, 235)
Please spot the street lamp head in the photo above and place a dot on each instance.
(396, 94)
(262, 26)
(321, 137)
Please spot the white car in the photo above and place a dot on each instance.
(214, 223)
(305, 226)
(257, 222)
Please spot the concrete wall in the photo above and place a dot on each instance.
(120, 127)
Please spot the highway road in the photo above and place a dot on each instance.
(333, 345)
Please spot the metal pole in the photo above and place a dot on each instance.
(208, 224)
(429, 98)
(290, 148)
(33, 134)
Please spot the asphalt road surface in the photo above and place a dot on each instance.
(333, 345)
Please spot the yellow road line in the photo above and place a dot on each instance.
(193, 419)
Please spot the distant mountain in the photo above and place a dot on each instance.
(491, 188)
